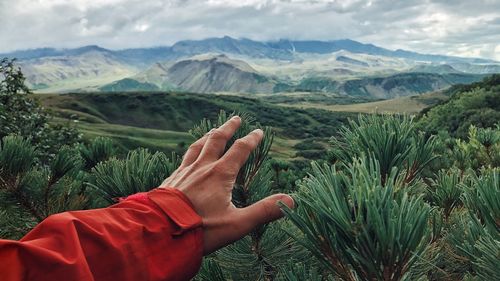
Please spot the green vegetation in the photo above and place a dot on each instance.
(389, 203)
(23, 116)
(179, 111)
(412, 104)
(407, 105)
(128, 84)
(319, 98)
(160, 121)
(128, 137)
(405, 84)
(476, 104)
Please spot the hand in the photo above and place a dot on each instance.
(207, 176)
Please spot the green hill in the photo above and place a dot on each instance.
(384, 87)
(475, 104)
(160, 120)
(404, 84)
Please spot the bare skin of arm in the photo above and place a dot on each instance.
(207, 176)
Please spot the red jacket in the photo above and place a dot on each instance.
(148, 236)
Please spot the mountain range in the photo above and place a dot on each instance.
(342, 67)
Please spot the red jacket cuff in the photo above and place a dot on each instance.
(177, 207)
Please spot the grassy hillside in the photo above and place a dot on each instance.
(404, 84)
(475, 104)
(161, 120)
(411, 104)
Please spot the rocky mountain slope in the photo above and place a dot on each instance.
(344, 67)
(202, 74)
(87, 70)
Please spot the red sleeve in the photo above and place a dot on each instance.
(149, 236)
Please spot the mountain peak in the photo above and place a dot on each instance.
(282, 49)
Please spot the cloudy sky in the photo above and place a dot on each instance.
(452, 27)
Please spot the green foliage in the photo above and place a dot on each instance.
(100, 149)
(483, 199)
(139, 171)
(353, 216)
(16, 158)
(210, 270)
(479, 248)
(477, 104)
(487, 264)
(392, 140)
(480, 149)
(18, 114)
(299, 272)
(446, 190)
(357, 225)
(22, 115)
(181, 111)
(31, 192)
(311, 149)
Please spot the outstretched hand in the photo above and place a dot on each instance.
(207, 176)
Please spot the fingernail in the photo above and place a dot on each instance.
(258, 131)
(236, 117)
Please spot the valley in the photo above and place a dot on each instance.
(406, 105)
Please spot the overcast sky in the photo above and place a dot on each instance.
(464, 28)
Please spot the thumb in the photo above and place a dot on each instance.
(264, 211)
(244, 220)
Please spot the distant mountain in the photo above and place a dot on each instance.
(245, 66)
(282, 50)
(349, 60)
(285, 49)
(476, 68)
(51, 52)
(434, 68)
(203, 74)
(387, 87)
(325, 47)
(84, 69)
(405, 84)
(228, 45)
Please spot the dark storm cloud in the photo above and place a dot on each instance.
(467, 28)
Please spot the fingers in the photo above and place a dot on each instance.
(194, 150)
(216, 142)
(264, 211)
(238, 154)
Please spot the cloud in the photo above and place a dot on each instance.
(466, 28)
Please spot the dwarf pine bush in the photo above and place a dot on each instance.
(387, 207)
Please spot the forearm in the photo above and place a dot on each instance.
(154, 237)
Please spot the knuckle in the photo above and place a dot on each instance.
(243, 144)
(218, 135)
(196, 146)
